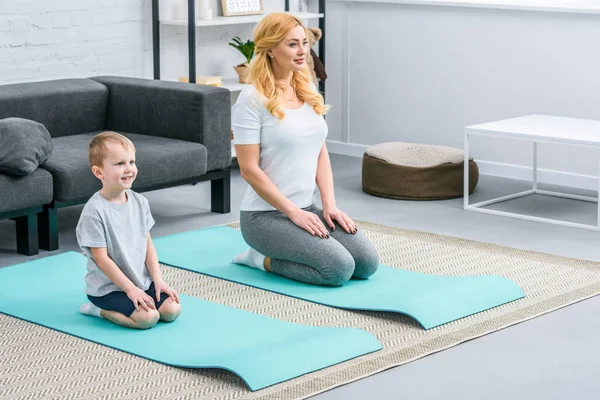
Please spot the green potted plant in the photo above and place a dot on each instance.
(247, 49)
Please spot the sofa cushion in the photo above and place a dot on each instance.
(64, 106)
(24, 145)
(159, 161)
(20, 192)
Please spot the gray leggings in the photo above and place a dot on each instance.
(298, 255)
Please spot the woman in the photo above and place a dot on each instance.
(280, 136)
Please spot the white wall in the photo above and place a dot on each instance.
(415, 73)
(421, 73)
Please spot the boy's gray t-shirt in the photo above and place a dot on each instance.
(123, 230)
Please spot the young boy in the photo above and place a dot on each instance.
(123, 282)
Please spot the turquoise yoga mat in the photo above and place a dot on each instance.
(431, 300)
(262, 351)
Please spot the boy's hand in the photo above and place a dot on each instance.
(140, 299)
(162, 287)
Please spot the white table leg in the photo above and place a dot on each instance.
(480, 206)
(466, 174)
(535, 162)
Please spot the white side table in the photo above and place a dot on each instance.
(538, 129)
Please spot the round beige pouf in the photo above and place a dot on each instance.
(413, 171)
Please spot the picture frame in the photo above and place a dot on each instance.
(242, 7)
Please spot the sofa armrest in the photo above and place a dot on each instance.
(195, 113)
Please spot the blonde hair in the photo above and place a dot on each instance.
(270, 31)
(97, 151)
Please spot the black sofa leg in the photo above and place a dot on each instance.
(220, 194)
(27, 235)
(48, 228)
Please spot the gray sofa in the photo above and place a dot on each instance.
(181, 133)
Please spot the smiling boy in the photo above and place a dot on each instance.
(123, 282)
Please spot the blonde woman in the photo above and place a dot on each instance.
(280, 144)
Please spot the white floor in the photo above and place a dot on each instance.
(550, 357)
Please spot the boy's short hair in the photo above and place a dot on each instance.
(97, 151)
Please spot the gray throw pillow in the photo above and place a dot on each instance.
(24, 145)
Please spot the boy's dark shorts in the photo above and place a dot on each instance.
(119, 302)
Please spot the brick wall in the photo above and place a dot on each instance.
(49, 39)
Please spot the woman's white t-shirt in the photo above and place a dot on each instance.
(289, 148)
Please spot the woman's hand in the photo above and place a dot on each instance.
(309, 222)
(331, 214)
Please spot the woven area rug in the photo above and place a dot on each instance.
(38, 363)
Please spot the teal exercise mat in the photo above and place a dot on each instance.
(261, 350)
(430, 299)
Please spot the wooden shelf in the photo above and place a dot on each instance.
(243, 19)
(233, 85)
